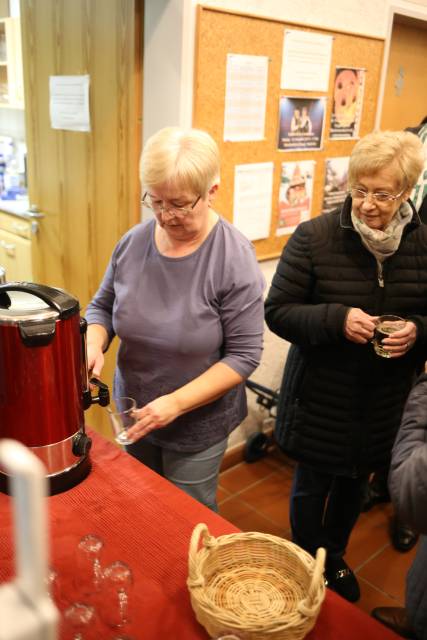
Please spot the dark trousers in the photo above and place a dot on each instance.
(324, 509)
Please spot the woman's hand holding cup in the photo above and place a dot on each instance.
(156, 414)
(359, 326)
(391, 336)
(394, 336)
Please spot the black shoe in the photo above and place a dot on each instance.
(341, 579)
(394, 618)
(375, 494)
(403, 537)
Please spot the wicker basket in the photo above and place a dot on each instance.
(258, 586)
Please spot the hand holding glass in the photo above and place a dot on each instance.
(122, 418)
(386, 325)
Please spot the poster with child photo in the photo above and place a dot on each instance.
(295, 195)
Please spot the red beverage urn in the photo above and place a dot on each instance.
(44, 385)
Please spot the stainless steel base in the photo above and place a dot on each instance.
(60, 481)
(57, 457)
(64, 468)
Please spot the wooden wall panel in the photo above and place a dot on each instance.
(86, 183)
(219, 33)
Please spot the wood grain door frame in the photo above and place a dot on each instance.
(393, 11)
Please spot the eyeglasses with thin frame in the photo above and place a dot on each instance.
(158, 206)
(379, 197)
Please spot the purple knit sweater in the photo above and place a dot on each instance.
(176, 317)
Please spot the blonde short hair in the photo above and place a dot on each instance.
(379, 149)
(188, 158)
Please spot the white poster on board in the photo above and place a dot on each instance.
(69, 102)
(306, 60)
(253, 189)
(245, 97)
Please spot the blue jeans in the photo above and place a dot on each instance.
(324, 509)
(195, 473)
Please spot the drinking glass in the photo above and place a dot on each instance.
(52, 585)
(88, 576)
(121, 418)
(78, 621)
(386, 325)
(117, 586)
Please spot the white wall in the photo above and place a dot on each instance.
(363, 16)
(162, 76)
(170, 36)
(367, 17)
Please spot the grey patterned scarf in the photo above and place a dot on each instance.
(383, 243)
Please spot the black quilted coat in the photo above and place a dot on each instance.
(341, 404)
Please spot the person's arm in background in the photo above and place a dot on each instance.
(289, 312)
(100, 323)
(242, 319)
(408, 469)
(97, 342)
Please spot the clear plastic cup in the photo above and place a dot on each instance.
(122, 418)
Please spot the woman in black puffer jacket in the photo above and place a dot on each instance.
(341, 404)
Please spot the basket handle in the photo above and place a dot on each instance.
(194, 577)
(306, 606)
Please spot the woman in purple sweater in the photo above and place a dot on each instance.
(183, 292)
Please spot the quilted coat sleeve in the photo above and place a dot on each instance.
(289, 308)
(408, 470)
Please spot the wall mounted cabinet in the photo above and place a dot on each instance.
(11, 76)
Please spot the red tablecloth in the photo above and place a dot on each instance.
(147, 522)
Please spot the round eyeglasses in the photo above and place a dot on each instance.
(158, 206)
(379, 197)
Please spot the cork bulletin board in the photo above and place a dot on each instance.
(220, 33)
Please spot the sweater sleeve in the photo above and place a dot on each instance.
(100, 309)
(289, 310)
(408, 470)
(242, 312)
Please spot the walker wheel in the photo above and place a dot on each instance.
(255, 447)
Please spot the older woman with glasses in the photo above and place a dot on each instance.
(184, 294)
(341, 403)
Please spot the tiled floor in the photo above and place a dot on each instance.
(255, 497)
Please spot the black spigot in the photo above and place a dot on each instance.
(103, 397)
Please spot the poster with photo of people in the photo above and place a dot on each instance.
(301, 122)
(347, 102)
(295, 195)
(336, 183)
